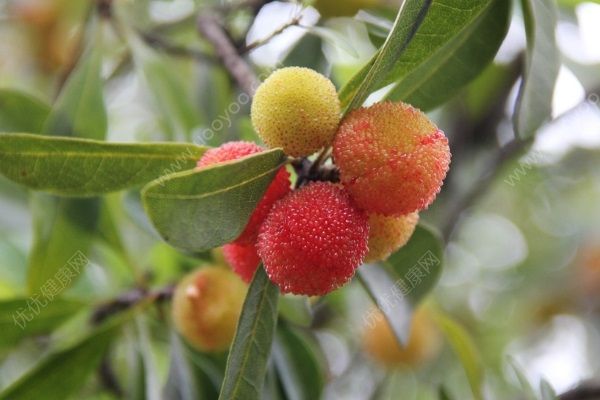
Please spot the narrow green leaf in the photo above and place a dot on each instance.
(524, 386)
(24, 317)
(401, 282)
(20, 112)
(63, 231)
(547, 391)
(456, 62)
(201, 209)
(464, 347)
(249, 353)
(79, 110)
(82, 167)
(63, 373)
(370, 78)
(534, 103)
(297, 365)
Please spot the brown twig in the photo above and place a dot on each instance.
(584, 392)
(210, 27)
(127, 300)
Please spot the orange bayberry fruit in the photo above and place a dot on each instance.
(296, 109)
(206, 306)
(381, 344)
(313, 240)
(392, 158)
(388, 234)
(243, 259)
(278, 188)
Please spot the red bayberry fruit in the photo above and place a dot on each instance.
(392, 158)
(243, 259)
(278, 188)
(313, 240)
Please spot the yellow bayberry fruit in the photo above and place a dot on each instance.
(388, 234)
(206, 306)
(381, 344)
(296, 109)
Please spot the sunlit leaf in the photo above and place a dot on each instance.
(534, 103)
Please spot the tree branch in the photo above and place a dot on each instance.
(209, 27)
(583, 392)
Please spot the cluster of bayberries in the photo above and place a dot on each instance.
(391, 161)
(391, 158)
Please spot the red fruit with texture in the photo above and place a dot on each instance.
(313, 240)
(243, 259)
(278, 188)
(392, 158)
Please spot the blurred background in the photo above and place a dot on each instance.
(522, 252)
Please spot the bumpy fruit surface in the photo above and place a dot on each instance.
(381, 344)
(388, 234)
(296, 109)
(278, 188)
(243, 259)
(313, 240)
(392, 158)
(206, 306)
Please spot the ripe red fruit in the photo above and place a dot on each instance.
(392, 158)
(243, 259)
(278, 188)
(313, 240)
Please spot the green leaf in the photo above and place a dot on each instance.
(464, 347)
(63, 230)
(458, 61)
(79, 110)
(249, 353)
(401, 282)
(547, 391)
(24, 317)
(297, 364)
(201, 209)
(20, 112)
(82, 167)
(534, 103)
(63, 373)
(524, 385)
(449, 29)
(370, 78)
(63, 227)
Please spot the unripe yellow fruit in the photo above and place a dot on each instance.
(423, 345)
(296, 109)
(206, 306)
(388, 234)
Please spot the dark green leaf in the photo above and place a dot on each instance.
(20, 112)
(249, 353)
(297, 364)
(81, 167)
(63, 231)
(534, 103)
(79, 110)
(24, 317)
(201, 209)
(370, 78)
(456, 62)
(64, 372)
(400, 283)
(464, 347)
